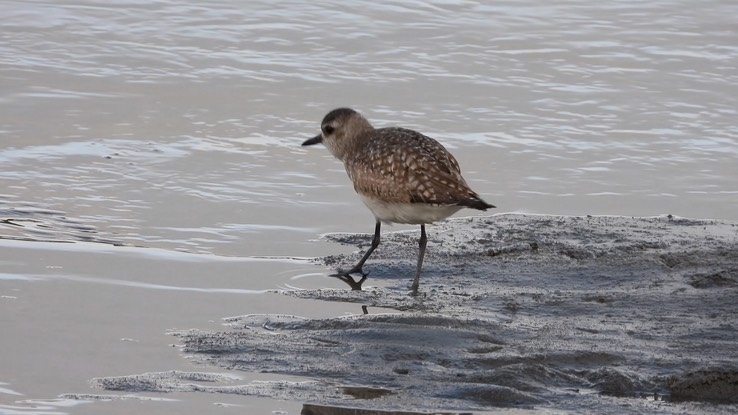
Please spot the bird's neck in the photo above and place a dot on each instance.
(351, 142)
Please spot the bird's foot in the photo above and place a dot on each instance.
(414, 292)
(346, 277)
(414, 287)
(355, 270)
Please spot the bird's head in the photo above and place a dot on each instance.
(340, 129)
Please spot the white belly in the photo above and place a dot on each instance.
(412, 213)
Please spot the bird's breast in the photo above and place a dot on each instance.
(410, 213)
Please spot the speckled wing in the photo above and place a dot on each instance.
(403, 166)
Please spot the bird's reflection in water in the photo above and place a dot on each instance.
(348, 279)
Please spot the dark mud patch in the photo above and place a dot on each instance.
(579, 314)
(312, 409)
(718, 385)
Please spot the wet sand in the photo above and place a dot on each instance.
(516, 312)
(152, 183)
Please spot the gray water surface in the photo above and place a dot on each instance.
(176, 125)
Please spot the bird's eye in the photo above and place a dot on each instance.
(328, 129)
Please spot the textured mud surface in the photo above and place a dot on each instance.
(604, 314)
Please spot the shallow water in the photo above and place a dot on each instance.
(175, 127)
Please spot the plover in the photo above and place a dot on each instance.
(401, 175)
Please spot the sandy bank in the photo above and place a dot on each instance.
(515, 311)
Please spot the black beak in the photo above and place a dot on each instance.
(315, 140)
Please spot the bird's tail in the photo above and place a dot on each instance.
(476, 203)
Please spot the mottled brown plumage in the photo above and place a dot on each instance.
(397, 165)
(401, 175)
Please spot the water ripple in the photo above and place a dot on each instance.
(118, 111)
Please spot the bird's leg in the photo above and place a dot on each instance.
(345, 276)
(423, 241)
